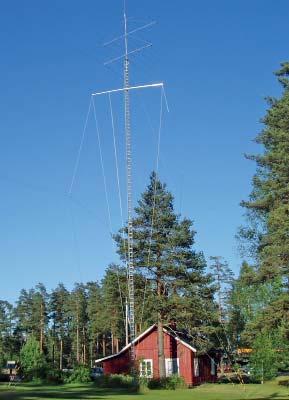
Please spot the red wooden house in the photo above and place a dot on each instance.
(180, 358)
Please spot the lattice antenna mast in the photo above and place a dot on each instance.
(127, 124)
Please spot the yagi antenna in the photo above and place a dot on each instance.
(125, 36)
(127, 54)
(129, 33)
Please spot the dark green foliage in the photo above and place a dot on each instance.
(31, 313)
(80, 374)
(78, 314)
(95, 318)
(60, 341)
(170, 383)
(114, 290)
(237, 378)
(284, 382)
(54, 377)
(177, 286)
(260, 301)
(268, 206)
(164, 255)
(7, 342)
(250, 301)
(117, 381)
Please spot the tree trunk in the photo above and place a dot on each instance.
(53, 354)
(97, 346)
(126, 323)
(77, 338)
(117, 344)
(91, 354)
(61, 354)
(84, 346)
(41, 327)
(103, 346)
(112, 343)
(161, 352)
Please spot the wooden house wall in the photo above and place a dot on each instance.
(147, 348)
(117, 365)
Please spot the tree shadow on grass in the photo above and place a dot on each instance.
(71, 393)
(272, 396)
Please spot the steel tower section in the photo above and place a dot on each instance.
(130, 263)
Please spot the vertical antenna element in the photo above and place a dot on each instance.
(129, 195)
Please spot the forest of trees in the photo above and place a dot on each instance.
(76, 327)
(173, 281)
(259, 302)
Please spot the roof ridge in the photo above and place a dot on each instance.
(165, 329)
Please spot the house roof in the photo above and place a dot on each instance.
(138, 338)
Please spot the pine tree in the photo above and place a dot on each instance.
(114, 291)
(251, 306)
(60, 318)
(223, 277)
(6, 331)
(163, 253)
(96, 319)
(32, 313)
(78, 310)
(268, 206)
(23, 312)
(40, 313)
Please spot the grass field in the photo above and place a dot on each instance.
(268, 391)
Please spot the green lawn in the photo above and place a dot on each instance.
(205, 392)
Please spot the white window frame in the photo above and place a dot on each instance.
(143, 373)
(169, 368)
(196, 367)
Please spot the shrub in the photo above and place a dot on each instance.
(80, 374)
(284, 382)
(170, 383)
(54, 377)
(36, 381)
(117, 381)
(32, 359)
(4, 377)
(237, 379)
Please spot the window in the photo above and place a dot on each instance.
(213, 367)
(196, 367)
(172, 366)
(146, 368)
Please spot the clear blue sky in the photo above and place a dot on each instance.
(216, 59)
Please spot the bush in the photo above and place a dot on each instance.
(36, 381)
(170, 383)
(54, 377)
(237, 379)
(80, 374)
(133, 384)
(284, 382)
(4, 377)
(32, 360)
(117, 381)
